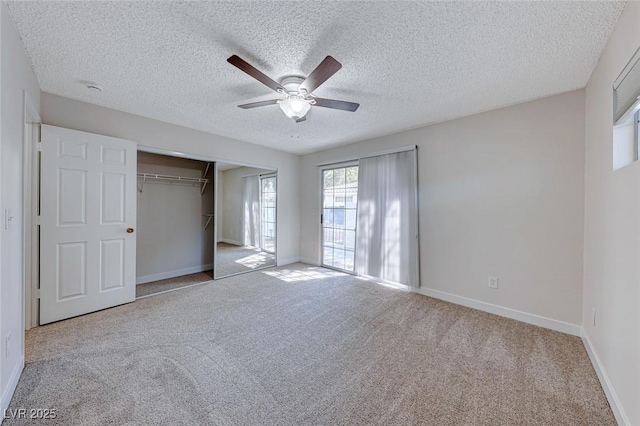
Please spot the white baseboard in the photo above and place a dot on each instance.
(7, 393)
(171, 274)
(561, 326)
(614, 402)
(232, 242)
(298, 260)
(288, 261)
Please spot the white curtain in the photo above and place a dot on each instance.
(387, 237)
(251, 211)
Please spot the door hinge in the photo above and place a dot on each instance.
(36, 294)
(39, 146)
(38, 220)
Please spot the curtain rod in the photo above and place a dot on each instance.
(375, 154)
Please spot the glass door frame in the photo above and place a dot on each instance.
(273, 176)
(322, 169)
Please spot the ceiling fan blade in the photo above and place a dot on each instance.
(331, 103)
(246, 67)
(301, 119)
(326, 69)
(259, 104)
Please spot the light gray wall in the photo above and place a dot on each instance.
(231, 204)
(612, 228)
(501, 194)
(64, 112)
(16, 77)
(171, 240)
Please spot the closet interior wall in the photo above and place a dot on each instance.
(171, 217)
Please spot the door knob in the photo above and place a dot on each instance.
(129, 230)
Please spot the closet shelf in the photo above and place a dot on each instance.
(181, 180)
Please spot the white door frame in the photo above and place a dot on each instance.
(200, 157)
(30, 235)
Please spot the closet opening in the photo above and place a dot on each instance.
(175, 235)
(200, 220)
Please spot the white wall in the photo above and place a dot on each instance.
(231, 202)
(612, 230)
(501, 194)
(64, 112)
(16, 77)
(171, 240)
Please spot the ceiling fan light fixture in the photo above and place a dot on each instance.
(294, 108)
(298, 91)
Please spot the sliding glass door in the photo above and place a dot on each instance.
(339, 201)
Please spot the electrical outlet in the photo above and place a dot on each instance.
(493, 282)
(7, 345)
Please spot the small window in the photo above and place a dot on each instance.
(626, 115)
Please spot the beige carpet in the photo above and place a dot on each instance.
(172, 283)
(300, 345)
(232, 259)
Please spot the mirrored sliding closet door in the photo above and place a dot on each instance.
(245, 219)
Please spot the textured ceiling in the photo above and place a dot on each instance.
(407, 63)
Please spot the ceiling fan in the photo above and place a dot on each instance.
(297, 91)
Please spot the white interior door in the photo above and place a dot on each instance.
(88, 218)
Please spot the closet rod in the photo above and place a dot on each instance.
(170, 178)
